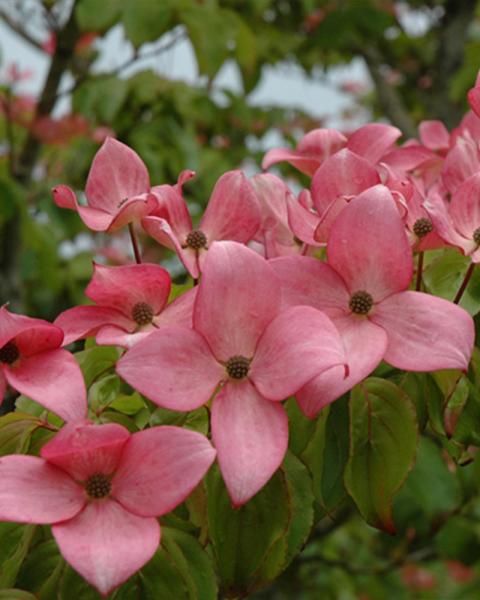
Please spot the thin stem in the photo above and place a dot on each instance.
(418, 285)
(136, 249)
(465, 282)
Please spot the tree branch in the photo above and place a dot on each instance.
(18, 29)
(450, 53)
(128, 63)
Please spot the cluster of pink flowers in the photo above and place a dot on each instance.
(297, 296)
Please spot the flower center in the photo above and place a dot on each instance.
(237, 367)
(476, 236)
(142, 313)
(98, 486)
(361, 302)
(422, 227)
(196, 239)
(9, 353)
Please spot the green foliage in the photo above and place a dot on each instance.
(383, 440)
(15, 431)
(253, 544)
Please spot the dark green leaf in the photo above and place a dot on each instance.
(94, 16)
(327, 453)
(15, 431)
(430, 493)
(96, 361)
(146, 20)
(383, 440)
(242, 537)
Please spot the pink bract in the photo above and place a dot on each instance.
(474, 96)
(275, 233)
(363, 289)
(232, 213)
(32, 362)
(458, 222)
(117, 190)
(101, 488)
(243, 346)
(315, 146)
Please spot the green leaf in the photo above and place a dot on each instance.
(101, 98)
(11, 565)
(383, 440)
(128, 404)
(416, 386)
(160, 579)
(42, 562)
(13, 594)
(327, 453)
(430, 493)
(300, 502)
(197, 420)
(147, 20)
(103, 392)
(467, 426)
(178, 289)
(212, 31)
(72, 585)
(459, 540)
(301, 428)
(444, 275)
(15, 431)
(242, 537)
(192, 562)
(94, 16)
(95, 361)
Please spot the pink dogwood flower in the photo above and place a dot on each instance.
(315, 146)
(243, 352)
(474, 96)
(131, 302)
(101, 488)
(232, 214)
(275, 233)
(458, 222)
(117, 190)
(363, 289)
(339, 179)
(33, 363)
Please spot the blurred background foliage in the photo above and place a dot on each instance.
(421, 57)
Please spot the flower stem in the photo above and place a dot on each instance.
(465, 281)
(418, 285)
(136, 249)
